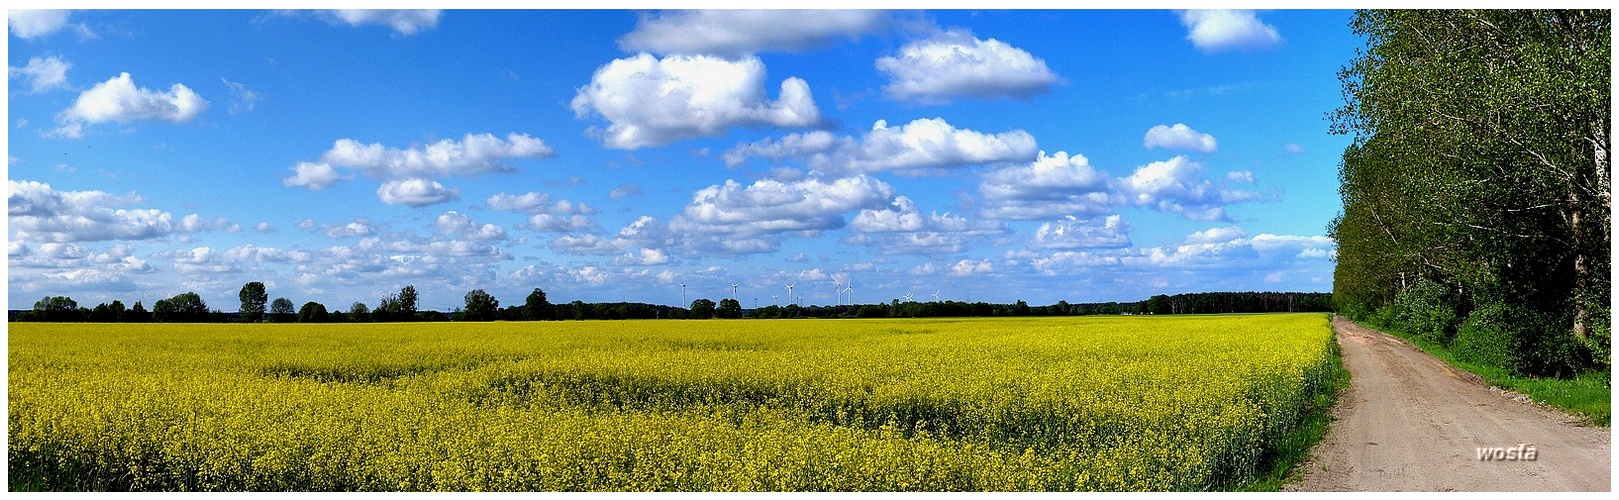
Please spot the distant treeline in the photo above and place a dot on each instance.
(480, 306)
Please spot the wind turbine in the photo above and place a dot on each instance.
(850, 289)
(683, 302)
(790, 291)
(773, 300)
(936, 294)
(837, 288)
(908, 297)
(733, 293)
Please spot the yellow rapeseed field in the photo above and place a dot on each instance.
(1092, 403)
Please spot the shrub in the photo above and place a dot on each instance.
(1599, 341)
(1487, 337)
(1521, 340)
(1425, 310)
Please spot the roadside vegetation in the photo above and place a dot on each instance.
(1476, 218)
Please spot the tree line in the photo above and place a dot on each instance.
(1476, 208)
(256, 307)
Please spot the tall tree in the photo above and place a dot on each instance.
(1480, 164)
(57, 309)
(187, 307)
(480, 306)
(728, 309)
(538, 308)
(281, 310)
(359, 313)
(407, 302)
(312, 312)
(253, 297)
(702, 309)
(137, 314)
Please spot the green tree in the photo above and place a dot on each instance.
(186, 307)
(702, 309)
(253, 297)
(728, 309)
(107, 313)
(1157, 304)
(313, 312)
(407, 301)
(57, 309)
(1480, 165)
(359, 313)
(480, 306)
(537, 307)
(281, 311)
(137, 314)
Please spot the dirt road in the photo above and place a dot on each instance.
(1410, 422)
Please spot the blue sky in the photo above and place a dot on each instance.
(612, 155)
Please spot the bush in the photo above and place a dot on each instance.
(1599, 340)
(1520, 340)
(1355, 311)
(1425, 310)
(1487, 337)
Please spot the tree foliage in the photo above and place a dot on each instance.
(57, 309)
(702, 309)
(253, 297)
(186, 307)
(281, 311)
(1479, 176)
(397, 307)
(480, 306)
(536, 306)
(313, 312)
(728, 309)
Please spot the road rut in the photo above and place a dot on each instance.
(1410, 422)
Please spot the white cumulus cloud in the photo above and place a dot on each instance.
(1071, 233)
(1061, 185)
(473, 154)
(416, 192)
(1222, 30)
(518, 202)
(1179, 136)
(1177, 185)
(1051, 186)
(458, 226)
(31, 23)
(920, 144)
(119, 100)
(737, 32)
(957, 64)
(733, 218)
(649, 101)
(969, 267)
(37, 212)
(41, 73)
(903, 229)
(313, 176)
(562, 217)
(642, 257)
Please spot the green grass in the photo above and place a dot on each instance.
(1588, 395)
